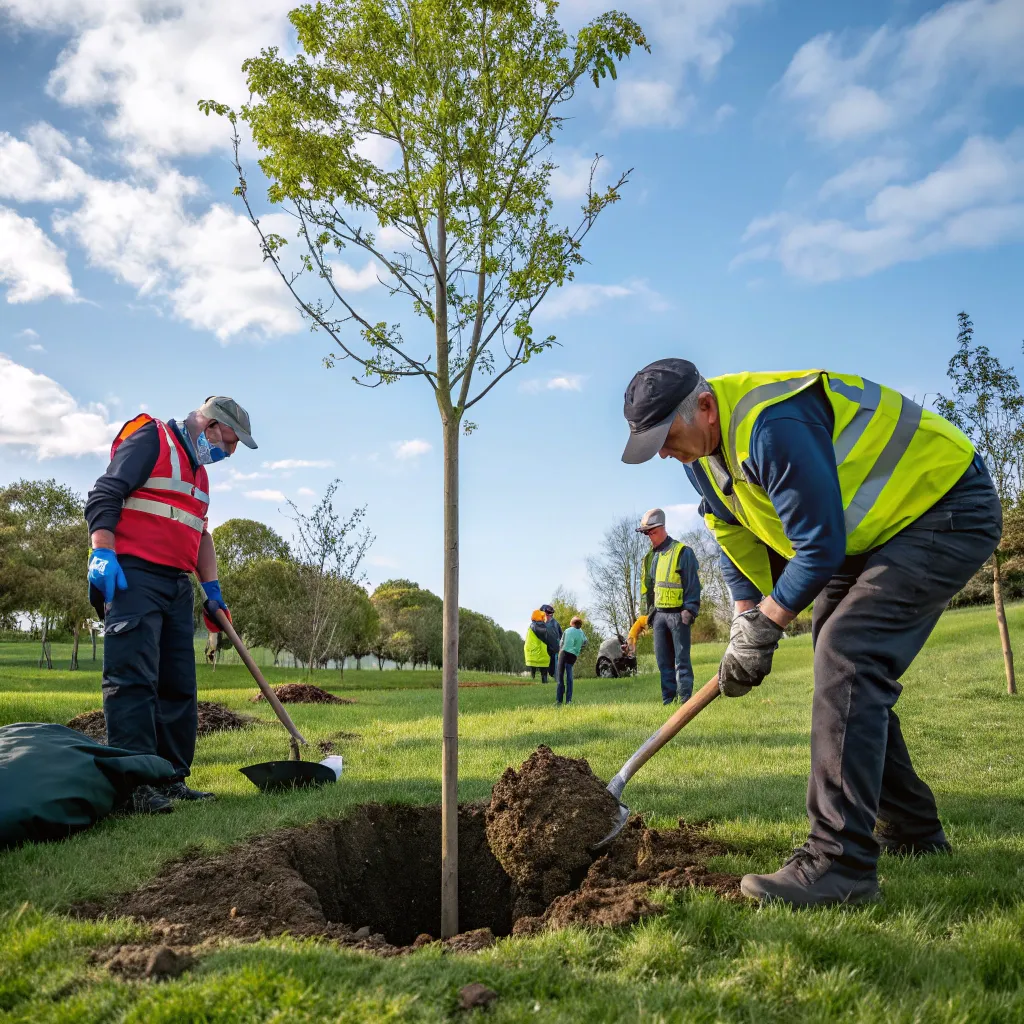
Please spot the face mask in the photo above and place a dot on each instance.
(206, 453)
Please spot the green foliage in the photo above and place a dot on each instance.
(567, 605)
(242, 541)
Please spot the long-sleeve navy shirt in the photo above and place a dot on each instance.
(131, 466)
(688, 576)
(792, 458)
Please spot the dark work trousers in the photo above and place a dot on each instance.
(566, 661)
(149, 666)
(868, 625)
(672, 653)
(543, 673)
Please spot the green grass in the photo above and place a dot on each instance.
(946, 944)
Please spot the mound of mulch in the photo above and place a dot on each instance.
(302, 693)
(541, 823)
(213, 717)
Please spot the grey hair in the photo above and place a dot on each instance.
(688, 406)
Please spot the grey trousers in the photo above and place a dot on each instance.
(868, 625)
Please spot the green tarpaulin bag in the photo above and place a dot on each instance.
(54, 781)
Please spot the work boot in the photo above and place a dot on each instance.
(809, 880)
(896, 845)
(146, 800)
(177, 790)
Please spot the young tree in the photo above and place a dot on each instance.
(241, 541)
(467, 94)
(987, 405)
(615, 574)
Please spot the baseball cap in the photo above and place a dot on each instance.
(229, 412)
(652, 518)
(651, 401)
(547, 609)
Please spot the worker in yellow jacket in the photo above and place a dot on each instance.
(831, 489)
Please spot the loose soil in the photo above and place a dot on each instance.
(541, 824)
(333, 743)
(213, 717)
(302, 693)
(370, 880)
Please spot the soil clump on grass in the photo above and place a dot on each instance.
(334, 742)
(213, 717)
(370, 879)
(541, 824)
(302, 693)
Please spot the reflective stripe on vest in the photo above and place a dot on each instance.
(668, 594)
(160, 508)
(174, 481)
(894, 459)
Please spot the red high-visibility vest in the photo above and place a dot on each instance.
(163, 521)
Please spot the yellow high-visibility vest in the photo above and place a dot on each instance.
(668, 585)
(894, 460)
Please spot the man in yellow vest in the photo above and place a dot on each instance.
(830, 489)
(670, 592)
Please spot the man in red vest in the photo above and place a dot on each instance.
(147, 521)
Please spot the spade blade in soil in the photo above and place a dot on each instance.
(620, 821)
(273, 776)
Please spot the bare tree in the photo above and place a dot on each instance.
(714, 592)
(987, 405)
(615, 573)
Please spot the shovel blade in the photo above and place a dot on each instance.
(275, 776)
(622, 816)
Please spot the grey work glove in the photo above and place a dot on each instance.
(687, 617)
(753, 640)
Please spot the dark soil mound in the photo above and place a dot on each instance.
(213, 717)
(333, 743)
(542, 822)
(371, 879)
(303, 693)
(92, 723)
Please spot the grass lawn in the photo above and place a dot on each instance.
(945, 944)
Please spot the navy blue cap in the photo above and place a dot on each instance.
(547, 608)
(651, 401)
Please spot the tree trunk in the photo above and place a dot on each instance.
(1004, 633)
(450, 688)
(74, 648)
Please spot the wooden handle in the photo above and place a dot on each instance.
(225, 623)
(693, 707)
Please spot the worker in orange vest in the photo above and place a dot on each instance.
(148, 527)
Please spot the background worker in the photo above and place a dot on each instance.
(829, 488)
(554, 636)
(535, 649)
(573, 642)
(670, 591)
(147, 521)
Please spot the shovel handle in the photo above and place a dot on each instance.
(225, 624)
(689, 711)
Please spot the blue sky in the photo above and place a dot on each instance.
(815, 184)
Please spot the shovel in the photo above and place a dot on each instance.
(273, 775)
(693, 707)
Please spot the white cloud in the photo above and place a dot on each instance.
(562, 382)
(382, 562)
(266, 495)
(571, 178)
(848, 88)
(411, 449)
(307, 492)
(299, 464)
(144, 65)
(35, 347)
(38, 169)
(681, 519)
(973, 201)
(863, 177)
(31, 266)
(575, 298)
(689, 40)
(27, 333)
(349, 279)
(39, 415)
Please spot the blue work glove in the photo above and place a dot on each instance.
(214, 600)
(105, 574)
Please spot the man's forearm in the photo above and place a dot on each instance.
(102, 539)
(780, 615)
(206, 563)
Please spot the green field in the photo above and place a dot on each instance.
(946, 943)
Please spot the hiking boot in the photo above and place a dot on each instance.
(146, 800)
(806, 880)
(177, 790)
(900, 846)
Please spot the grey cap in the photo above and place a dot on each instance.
(652, 518)
(230, 413)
